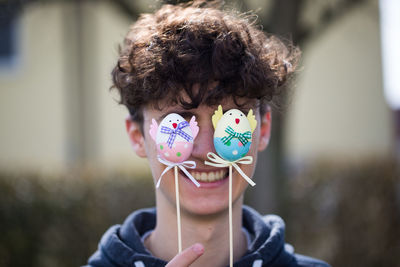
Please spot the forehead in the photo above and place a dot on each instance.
(164, 108)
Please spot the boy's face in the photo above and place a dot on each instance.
(210, 197)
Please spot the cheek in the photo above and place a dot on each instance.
(150, 147)
(256, 139)
(253, 152)
(151, 154)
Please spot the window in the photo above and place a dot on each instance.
(8, 37)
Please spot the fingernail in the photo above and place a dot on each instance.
(198, 248)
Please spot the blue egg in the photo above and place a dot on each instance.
(231, 151)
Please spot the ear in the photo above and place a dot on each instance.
(135, 137)
(265, 130)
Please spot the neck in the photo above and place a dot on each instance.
(210, 230)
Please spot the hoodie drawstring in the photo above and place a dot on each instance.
(257, 263)
(141, 264)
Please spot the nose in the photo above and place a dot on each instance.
(204, 141)
(174, 125)
(237, 121)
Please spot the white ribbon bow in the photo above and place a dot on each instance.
(188, 164)
(217, 161)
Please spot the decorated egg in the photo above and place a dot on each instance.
(233, 133)
(174, 137)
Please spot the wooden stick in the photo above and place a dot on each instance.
(230, 219)
(178, 210)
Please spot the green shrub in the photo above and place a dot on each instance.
(347, 214)
(58, 221)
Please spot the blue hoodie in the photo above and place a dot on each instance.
(122, 245)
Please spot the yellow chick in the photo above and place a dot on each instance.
(233, 133)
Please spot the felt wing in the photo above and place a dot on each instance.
(252, 120)
(217, 116)
(194, 127)
(153, 129)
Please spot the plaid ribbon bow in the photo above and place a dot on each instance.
(174, 132)
(243, 137)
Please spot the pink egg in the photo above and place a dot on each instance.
(179, 152)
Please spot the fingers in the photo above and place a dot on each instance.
(187, 257)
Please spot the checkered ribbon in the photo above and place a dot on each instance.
(174, 132)
(243, 137)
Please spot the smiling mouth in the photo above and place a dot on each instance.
(210, 176)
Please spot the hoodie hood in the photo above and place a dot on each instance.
(122, 245)
(267, 235)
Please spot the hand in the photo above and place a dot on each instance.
(187, 257)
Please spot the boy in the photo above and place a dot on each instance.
(188, 59)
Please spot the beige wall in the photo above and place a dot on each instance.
(31, 95)
(37, 114)
(338, 109)
(115, 148)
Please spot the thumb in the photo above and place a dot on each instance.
(187, 257)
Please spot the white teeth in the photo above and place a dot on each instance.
(211, 176)
(208, 176)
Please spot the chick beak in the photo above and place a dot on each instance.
(237, 121)
(174, 125)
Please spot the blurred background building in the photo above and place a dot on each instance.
(56, 109)
(57, 113)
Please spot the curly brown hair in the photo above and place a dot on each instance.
(167, 52)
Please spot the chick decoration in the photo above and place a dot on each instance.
(174, 140)
(233, 133)
(232, 141)
(174, 137)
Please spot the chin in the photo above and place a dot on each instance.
(205, 210)
(206, 206)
